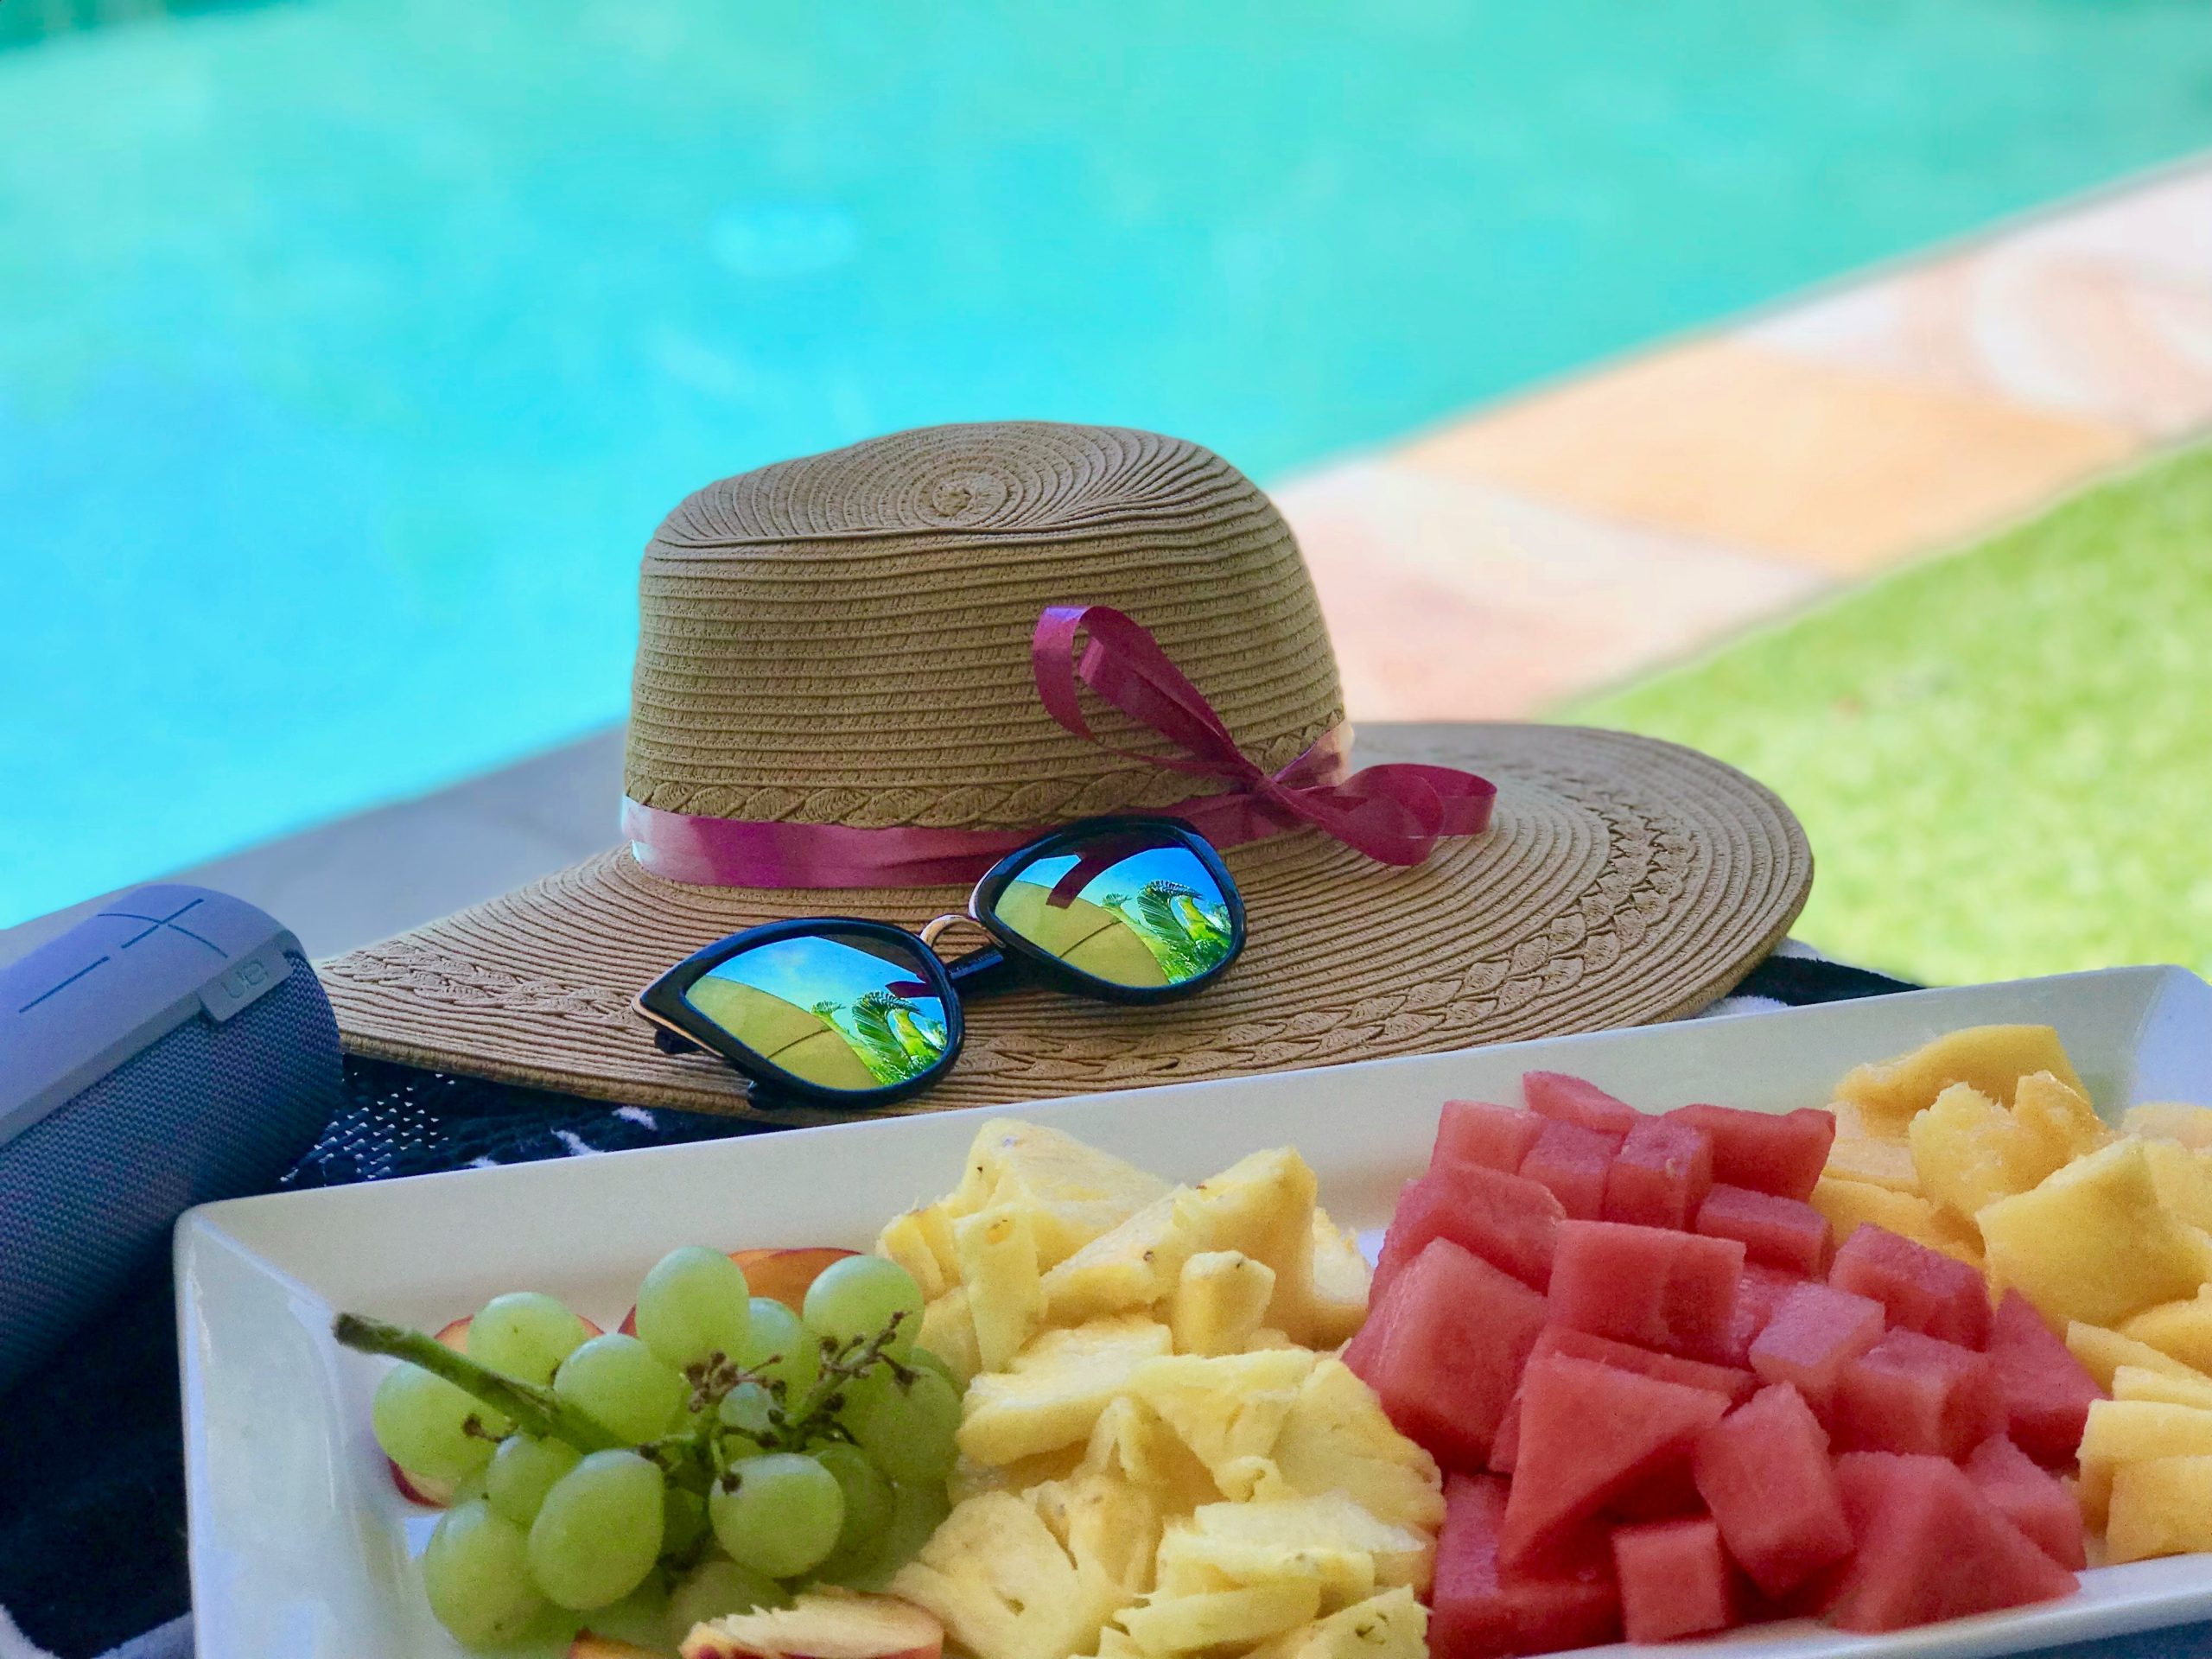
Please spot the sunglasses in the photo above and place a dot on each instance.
(836, 1011)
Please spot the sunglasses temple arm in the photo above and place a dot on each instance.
(983, 971)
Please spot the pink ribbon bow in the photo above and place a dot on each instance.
(1393, 813)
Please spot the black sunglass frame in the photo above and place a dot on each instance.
(1007, 961)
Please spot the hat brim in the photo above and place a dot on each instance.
(1623, 881)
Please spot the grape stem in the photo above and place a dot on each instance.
(534, 1410)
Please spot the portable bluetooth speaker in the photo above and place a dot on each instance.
(174, 1048)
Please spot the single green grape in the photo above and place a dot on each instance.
(618, 1381)
(779, 1514)
(746, 1408)
(476, 1575)
(522, 1471)
(714, 1590)
(858, 1295)
(599, 1531)
(526, 1334)
(694, 1303)
(780, 1349)
(682, 1523)
(908, 1431)
(423, 1421)
(867, 1494)
(923, 1360)
(916, 1513)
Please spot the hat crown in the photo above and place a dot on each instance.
(845, 639)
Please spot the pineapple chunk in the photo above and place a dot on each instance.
(1054, 1389)
(1352, 1551)
(1000, 1582)
(1135, 1265)
(1218, 1302)
(1392, 1625)
(1110, 1528)
(2092, 1243)
(1858, 1154)
(1849, 1205)
(2169, 1120)
(1267, 1337)
(921, 1242)
(1220, 1618)
(2181, 1329)
(1335, 1438)
(1969, 1152)
(1131, 1442)
(1262, 1206)
(1072, 1193)
(1227, 1409)
(2058, 1120)
(2161, 1506)
(2140, 1382)
(1340, 1283)
(2184, 1178)
(2128, 1431)
(949, 1331)
(2102, 1353)
(1993, 1058)
(998, 1264)
(969, 1477)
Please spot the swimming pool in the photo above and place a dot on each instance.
(349, 349)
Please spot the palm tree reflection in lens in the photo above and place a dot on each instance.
(1131, 910)
(841, 1011)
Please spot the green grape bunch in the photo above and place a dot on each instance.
(729, 1453)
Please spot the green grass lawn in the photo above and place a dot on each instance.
(2003, 757)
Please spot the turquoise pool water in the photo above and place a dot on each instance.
(349, 349)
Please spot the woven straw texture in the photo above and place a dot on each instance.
(845, 639)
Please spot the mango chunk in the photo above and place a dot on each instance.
(2181, 1330)
(2102, 1353)
(2161, 1506)
(2056, 1122)
(2169, 1120)
(2093, 1243)
(1885, 1161)
(1992, 1058)
(2184, 1178)
(2138, 1382)
(1848, 1204)
(1969, 1152)
(2128, 1431)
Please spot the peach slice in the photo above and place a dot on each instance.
(821, 1624)
(590, 1645)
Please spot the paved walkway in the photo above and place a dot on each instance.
(1569, 540)
(1597, 530)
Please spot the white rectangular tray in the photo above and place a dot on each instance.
(300, 1545)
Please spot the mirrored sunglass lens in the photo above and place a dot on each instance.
(1132, 907)
(838, 1010)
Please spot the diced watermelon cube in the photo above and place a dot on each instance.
(2047, 1392)
(1759, 1294)
(1509, 1222)
(1591, 1434)
(1477, 1610)
(1660, 1175)
(1674, 1579)
(1779, 1152)
(1444, 1347)
(1929, 1545)
(1923, 1290)
(1764, 1471)
(1816, 1332)
(1505, 1444)
(1570, 1100)
(1571, 1162)
(1476, 1132)
(1676, 1292)
(2032, 1498)
(1911, 1393)
(1730, 1381)
(1784, 1233)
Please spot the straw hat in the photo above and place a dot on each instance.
(845, 639)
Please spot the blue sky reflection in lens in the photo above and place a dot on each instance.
(1125, 910)
(841, 1011)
